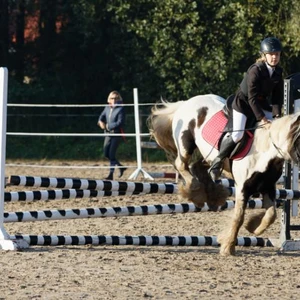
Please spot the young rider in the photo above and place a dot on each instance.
(259, 96)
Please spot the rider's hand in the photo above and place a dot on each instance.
(266, 121)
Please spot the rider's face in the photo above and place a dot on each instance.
(273, 58)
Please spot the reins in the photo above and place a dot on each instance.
(275, 146)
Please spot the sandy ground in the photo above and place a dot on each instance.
(137, 272)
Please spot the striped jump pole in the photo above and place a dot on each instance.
(280, 194)
(126, 186)
(74, 193)
(105, 212)
(143, 240)
(62, 194)
(90, 184)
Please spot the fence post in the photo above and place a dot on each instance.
(291, 175)
(5, 242)
(138, 140)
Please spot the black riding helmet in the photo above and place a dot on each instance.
(270, 44)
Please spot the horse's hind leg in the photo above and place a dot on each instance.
(182, 166)
(258, 223)
(216, 193)
(192, 190)
(228, 237)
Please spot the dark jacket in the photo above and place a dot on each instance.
(114, 118)
(259, 91)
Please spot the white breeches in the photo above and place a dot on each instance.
(239, 123)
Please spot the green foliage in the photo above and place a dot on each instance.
(172, 48)
(70, 148)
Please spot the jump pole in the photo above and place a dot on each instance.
(45, 195)
(6, 243)
(141, 240)
(90, 184)
(113, 186)
(120, 211)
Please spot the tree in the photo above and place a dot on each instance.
(4, 37)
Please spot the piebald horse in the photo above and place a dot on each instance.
(179, 129)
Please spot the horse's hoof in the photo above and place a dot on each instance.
(213, 207)
(227, 251)
(254, 222)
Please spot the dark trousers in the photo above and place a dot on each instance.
(110, 147)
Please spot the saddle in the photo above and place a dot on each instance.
(221, 123)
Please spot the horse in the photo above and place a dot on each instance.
(178, 128)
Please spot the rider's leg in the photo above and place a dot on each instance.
(238, 126)
(228, 144)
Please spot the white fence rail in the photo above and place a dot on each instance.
(137, 134)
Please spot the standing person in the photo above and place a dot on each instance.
(112, 120)
(259, 97)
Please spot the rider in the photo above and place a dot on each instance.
(259, 97)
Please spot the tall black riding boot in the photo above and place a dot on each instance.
(226, 148)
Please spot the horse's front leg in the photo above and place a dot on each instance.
(258, 223)
(228, 237)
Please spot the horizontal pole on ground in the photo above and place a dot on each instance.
(106, 212)
(128, 186)
(144, 240)
(91, 184)
(45, 195)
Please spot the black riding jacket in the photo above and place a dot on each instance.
(259, 91)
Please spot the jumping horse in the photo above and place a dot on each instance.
(180, 128)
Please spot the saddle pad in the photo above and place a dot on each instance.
(215, 127)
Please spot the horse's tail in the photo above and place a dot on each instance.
(160, 125)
